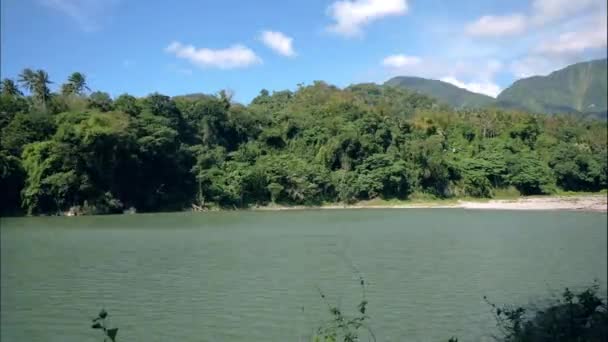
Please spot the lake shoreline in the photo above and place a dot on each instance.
(590, 203)
(595, 202)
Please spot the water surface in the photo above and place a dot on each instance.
(254, 276)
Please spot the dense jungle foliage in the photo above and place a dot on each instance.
(82, 149)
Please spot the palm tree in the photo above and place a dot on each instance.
(26, 79)
(41, 88)
(9, 87)
(67, 89)
(76, 84)
(36, 82)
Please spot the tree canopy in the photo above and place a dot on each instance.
(317, 144)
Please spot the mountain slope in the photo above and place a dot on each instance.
(443, 91)
(578, 88)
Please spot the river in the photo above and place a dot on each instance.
(255, 276)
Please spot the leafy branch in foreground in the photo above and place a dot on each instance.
(581, 316)
(99, 322)
(341, 327)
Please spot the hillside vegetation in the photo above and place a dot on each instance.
(579, 89)
(316, 144)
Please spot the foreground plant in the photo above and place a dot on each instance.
(341, 327)
(581, 316)
(100, 323)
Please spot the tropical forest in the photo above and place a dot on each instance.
(81, 149)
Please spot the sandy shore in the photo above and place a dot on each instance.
(584, 203)
(579, 203)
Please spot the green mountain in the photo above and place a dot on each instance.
(443, 91)
(578, 88)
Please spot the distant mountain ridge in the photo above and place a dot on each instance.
(577, 89)
(443, 91)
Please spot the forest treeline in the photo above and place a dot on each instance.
(317, 144)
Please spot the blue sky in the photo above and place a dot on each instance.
(186, 46)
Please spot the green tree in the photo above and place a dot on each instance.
(317, 144)
(101, 101)
(528, 131)
(164, 178)
(77, 84)
(275, 190)
(127, 104)
(9, 107)
(432, 156)
(8, 87)
(51, 184)
(37, 83)
(24, 129)
(11, 182)
(476, 174)
(27, 79)
(576, 168)
(575, 316)
(386, 176)
(208, 119)
(530, 175)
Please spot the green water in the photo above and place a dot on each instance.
(254, 276)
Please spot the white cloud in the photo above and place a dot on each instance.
(487, 88)
(399, 61)
(549, 10)
(478, 74)
(236, 56)
(551, 34)
(582, 40)
(89, 14)
(351, 15)
(278, 42)
(573, 42)
(475, 69)
(542, 12)
(591, 37)
(533, 65)
(497, 26)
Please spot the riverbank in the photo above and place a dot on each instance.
(595, 203)
(590, 202)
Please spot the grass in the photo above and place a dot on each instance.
(423, 201)
(506, 193)
(580, 193)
